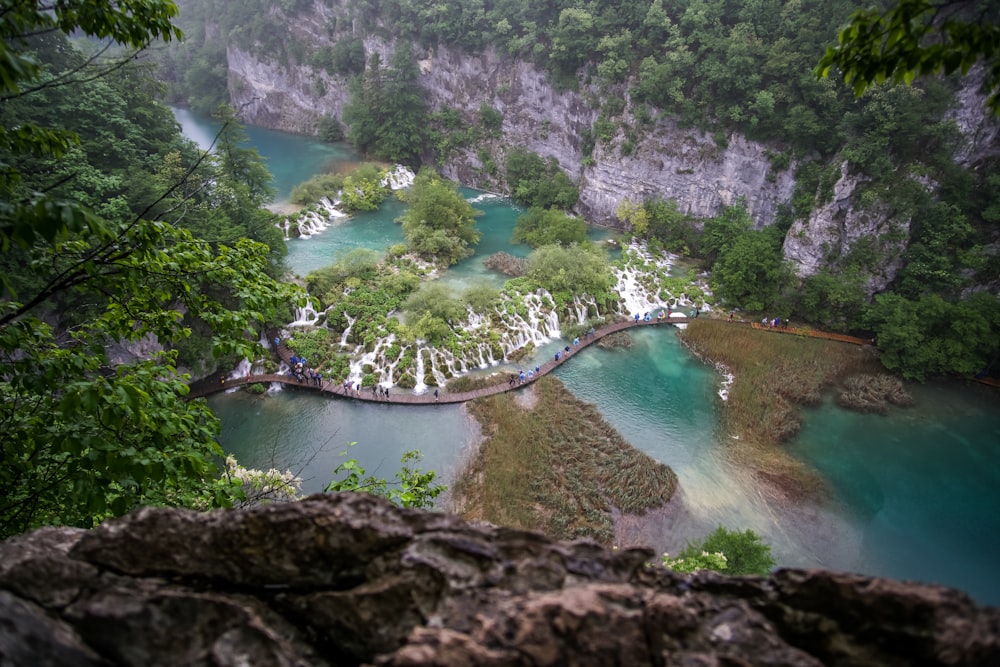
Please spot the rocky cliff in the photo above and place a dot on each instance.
(350, 579)
(701, 172)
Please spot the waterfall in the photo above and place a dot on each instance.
(347, 330)
(242, 370)
(397, 179)
(305, 316)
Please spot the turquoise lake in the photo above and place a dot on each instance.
(913, 495)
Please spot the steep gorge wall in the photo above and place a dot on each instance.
(701, 173)
(668, 162)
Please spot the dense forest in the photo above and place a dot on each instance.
(715, 65)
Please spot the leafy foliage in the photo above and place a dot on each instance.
(917, 38)
(411, 487)
(539, 184)
(114, 232)
(735, 553)
(386, 114)
(930, 336)
(571, 270)
(540, 227)
(438, 223)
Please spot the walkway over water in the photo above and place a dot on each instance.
(365, 394)
(204, 388)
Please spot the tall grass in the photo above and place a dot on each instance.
(557, 467)
(775, 374)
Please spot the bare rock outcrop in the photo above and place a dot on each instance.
(350, 579)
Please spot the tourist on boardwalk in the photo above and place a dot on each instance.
(277, 343)
(646, 317)
(386, 393)
(538, 371)
(576, 341)
(558, 354)
(435, 394)
(637, 317)
(659, 315)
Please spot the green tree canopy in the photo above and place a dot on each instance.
(914, 38)
(575, 269)
(114, 231)
(439, 223)
(930, 336)
(537, 183)
(540, 227)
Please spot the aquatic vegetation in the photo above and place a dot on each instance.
(873, 393)
(774, 374)
(557, 467)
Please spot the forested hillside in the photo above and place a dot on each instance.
(891, 231)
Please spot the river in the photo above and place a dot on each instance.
(915, 493)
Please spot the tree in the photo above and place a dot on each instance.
(576, 269)
(91, 263)
(386, 114)
(741, 554)
(722, 231)
(930, 336)
(411, 487)
(540, 227)
(439, 222)
(537, 183)
(917, 38)
(750, 272)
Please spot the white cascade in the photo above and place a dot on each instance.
(397, 179)
(305, 316)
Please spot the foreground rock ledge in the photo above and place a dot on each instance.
(350, 579)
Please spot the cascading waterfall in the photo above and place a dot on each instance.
(347, 330)
(514, 322)
(318, 217)
(397, 179)
(305, 316)
(324, 213)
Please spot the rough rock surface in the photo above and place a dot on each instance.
(350, 579)
(834, 229)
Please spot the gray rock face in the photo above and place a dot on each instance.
(669, 162)
(351, 579)
(834, 229)
(701, 173)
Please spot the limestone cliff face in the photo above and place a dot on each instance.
(669, 162)
(834, 229)
(702, 173)
(347, 579)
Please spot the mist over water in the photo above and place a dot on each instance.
(913, 495)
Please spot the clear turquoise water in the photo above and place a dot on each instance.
(290, 158)
(914, 495)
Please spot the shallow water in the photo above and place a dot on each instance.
(913, 495)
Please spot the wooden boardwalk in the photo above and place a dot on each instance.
(405, 397)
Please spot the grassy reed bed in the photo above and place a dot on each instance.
(557, 468)
(774, 374)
